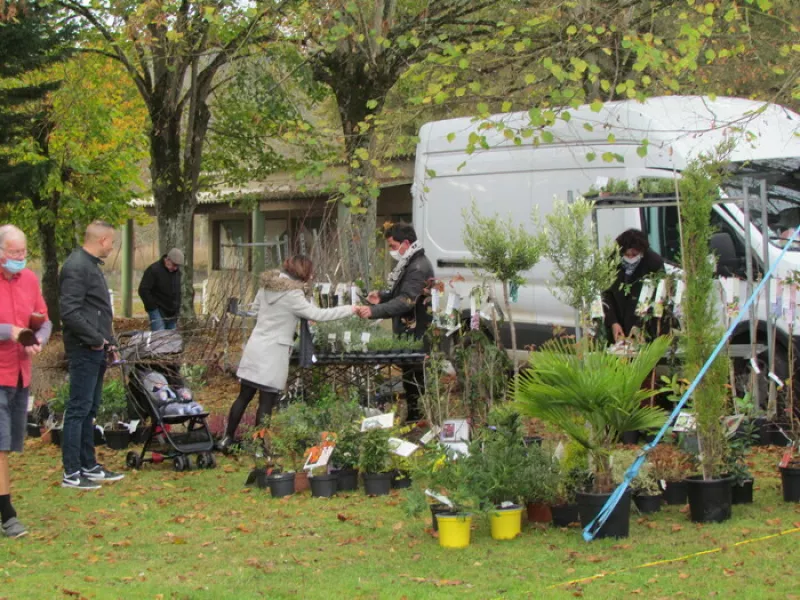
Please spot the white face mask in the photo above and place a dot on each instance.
(632, 261)
(395, 254)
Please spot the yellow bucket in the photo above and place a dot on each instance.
(454, 530)
(506, 523)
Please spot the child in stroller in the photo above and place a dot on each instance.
(169, 402)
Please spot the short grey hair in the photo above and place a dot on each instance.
(10, 232)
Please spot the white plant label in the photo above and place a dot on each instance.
(473, 306)
(353, 295)
(451, 304)
(325, 289)
(402, 447)
(679, 287)
(435, 300)
(365, 335)
(385, 421)
(597, 308)
(347, 337)
(754, 366)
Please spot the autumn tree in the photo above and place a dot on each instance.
(175, 52)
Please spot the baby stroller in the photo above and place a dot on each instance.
(175, 424)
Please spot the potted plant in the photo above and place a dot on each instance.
(496, 462)
(669, 466)
(346, 457)
(741, 477)
(374, 462)
(56, 408)
(323, 482)
(112, 413)
(647, 495)
(593, 396)
(709, 493)
(571, 480)
(540, 483)
(252, 444)
(447, 478)
(289, 435)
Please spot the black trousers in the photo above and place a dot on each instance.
(414, 387)
(267, 401)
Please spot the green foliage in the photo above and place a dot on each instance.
(436, 469)
(59, 401)
(348, 447)
(374, 455)
(498, 460)
(483, 371)
(645, 482)
(541, 476)
(114, 406)
(581, 270)
(668, 462)
(381, 338)
(699, 188)
(290, 433)
(195, 375)
(591, 395)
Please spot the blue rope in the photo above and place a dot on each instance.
(592, 528)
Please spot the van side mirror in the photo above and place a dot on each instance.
(728, 264)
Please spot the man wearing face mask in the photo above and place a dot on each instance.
(404, 301)
(619, 302)
(24, 329)
(88, 335)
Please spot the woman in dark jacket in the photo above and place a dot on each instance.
(638, 263)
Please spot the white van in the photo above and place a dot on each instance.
(511, 179)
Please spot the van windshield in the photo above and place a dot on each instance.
(783, 195)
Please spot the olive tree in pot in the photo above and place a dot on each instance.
(540, 483)
(709, 493)
(346, 456)
(112, 413)
(592, 396)
(374, 461)
(504, 250)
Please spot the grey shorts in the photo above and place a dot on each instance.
(13, 418)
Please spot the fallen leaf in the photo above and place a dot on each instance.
(683, 576)
(342, 517)
(773, 522)
(729, 572)
(397, 526)
(676, 528)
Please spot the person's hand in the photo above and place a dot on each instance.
(100, 347)
(365, 312)
(617, 332)
(32, 351)
(15, 332)
(374, 297)
(355, 309)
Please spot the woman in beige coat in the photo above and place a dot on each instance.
(264, 368)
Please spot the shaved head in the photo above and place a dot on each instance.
(97, 230)
(99, 239)
(9, 233)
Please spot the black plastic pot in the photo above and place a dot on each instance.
(348, 480)
(742, 493)
(117, 439)
(55, 437)
(257, 478)
(648, 504)
(709, 501)
(790, 478)
(400, 480)
(139, 436)
(618, 523)
(324, 486)
(778, 437)
(439, 509)
(676, 493)
(281, 484)
(565, 514)
(34, 430)
(99, 437)
(377, 484)
(630, 438)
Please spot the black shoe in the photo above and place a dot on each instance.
(78, 482)
(227, 445)
(99, 473)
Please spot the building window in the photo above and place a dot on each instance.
(231, 251)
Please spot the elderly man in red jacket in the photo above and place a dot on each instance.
(24, 329)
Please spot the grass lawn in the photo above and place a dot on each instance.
(161, 534)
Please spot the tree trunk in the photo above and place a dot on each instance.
(513, 329)
(49, 247)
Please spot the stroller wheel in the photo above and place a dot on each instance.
(133, 460)
(200, 461)
(181, 463)
(210, 460)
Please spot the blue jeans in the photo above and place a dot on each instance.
(86, 370)
(159, 323)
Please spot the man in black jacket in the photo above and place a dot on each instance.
(87, 318)
(160, 290)
(404, 301)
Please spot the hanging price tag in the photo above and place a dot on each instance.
(451, 304)
(679, 287)
(435, 300)
(597, 308)
(353, 295)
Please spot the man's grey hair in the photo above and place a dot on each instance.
(10, 232)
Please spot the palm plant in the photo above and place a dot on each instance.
(591, 395)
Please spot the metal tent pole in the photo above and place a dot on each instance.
(748, 256)
(772, 398)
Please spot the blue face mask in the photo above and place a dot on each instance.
(15, 266)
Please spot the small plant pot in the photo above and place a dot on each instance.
(281, 484)
(400, 481)
(33, 430)
(648, 503)
(506, 523)
(139, 435)
(436, 510)
(676, 493)
(539, 512)
(762, 429)
(630, 438)
(779, 438)
(348, 480)
(257, 478)
(55, 437)
(324, 486)
(301, 482)
(742, 493)
(565, 514)
(377, 484)
(118, 439)
(454, 530)
(709, 501)
(790, 480)
(99, 437)
(618, 523)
